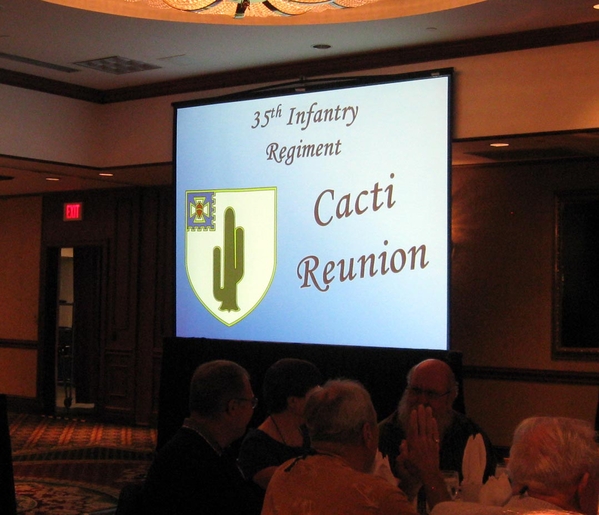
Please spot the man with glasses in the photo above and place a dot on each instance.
(431, 383)
(193, 473)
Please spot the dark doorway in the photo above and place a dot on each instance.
(74, 331)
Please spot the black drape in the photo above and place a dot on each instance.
(7, 483)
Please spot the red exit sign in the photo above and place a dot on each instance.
(73, 211)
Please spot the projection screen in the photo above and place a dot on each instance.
(320, 216)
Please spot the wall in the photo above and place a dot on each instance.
(20, 231)
(536, 90)
(20, 234)
(499, 406)
(501, 296)
(502, 282)
(502, 287)
(22, 364)
(47, 127)
(503, 222)
(132, 227)
(545, 89)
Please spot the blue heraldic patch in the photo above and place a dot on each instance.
(201, 210)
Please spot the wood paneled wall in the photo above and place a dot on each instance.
(133, 227)
(501, 300)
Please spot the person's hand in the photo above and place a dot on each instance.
(422, 454)
(407, 474)
(423, 443)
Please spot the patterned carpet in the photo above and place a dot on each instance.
(54, 497)
(71, 466)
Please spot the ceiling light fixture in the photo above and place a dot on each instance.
(266, 12)
(499, 145)
(239, 8)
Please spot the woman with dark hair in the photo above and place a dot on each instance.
(282, 435)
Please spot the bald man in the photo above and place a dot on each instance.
(431, 383)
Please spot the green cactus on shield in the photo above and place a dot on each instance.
(225, 288)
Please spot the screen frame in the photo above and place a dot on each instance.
(303, 86)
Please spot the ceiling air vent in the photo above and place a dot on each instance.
(117, 65)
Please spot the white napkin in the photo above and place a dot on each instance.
(496, 491)
(473, 468)
(474, 461)
(382, 468)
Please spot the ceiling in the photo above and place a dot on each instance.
(41, 42)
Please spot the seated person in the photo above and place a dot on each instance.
(192, 473)
(553, 467)
(337, 478)
(431, 383)
(282, 435)
(554, 464)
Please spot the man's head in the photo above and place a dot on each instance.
(431, 383)
(557, 458)
(221, 389)
(341, 414)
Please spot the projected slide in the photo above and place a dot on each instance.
(319, 217)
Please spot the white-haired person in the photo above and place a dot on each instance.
(337, 478)
(554, 464)
(553, 468)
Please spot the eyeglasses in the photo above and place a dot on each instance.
(429, 394)
(253, 401)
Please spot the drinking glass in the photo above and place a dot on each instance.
(452, 482)
(500, 469)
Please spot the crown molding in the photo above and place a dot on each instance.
(553, 36)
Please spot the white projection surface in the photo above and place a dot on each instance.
(319, 217)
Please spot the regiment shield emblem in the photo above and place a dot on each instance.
(230, 249)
